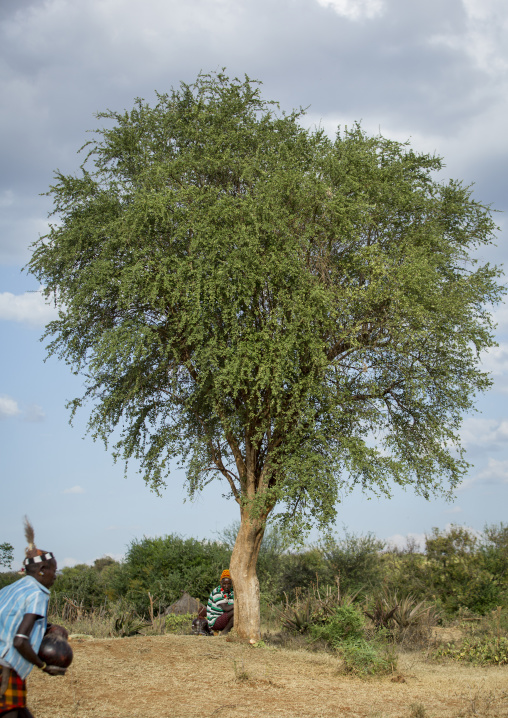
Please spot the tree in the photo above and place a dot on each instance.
(6, 554)
(458, 572)
(293, 314)
(354, 559)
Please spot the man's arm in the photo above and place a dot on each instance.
(22, 644)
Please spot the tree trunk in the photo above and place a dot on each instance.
(245, 581)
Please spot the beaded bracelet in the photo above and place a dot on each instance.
(44, 665)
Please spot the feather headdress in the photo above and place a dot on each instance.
(30, 536)
(32, 553)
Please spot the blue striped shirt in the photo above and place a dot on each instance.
(24, 596)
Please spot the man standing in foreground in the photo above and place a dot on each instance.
(23, 623)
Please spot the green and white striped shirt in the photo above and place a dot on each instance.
(213, 610)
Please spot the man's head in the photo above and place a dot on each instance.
(225, 581)
(226, 584)
(43, 571)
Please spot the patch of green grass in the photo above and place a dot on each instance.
(179, 624)
(479, 650)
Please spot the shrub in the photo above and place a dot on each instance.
(315, 607)
(299, 570)
(179, 624)
(383, 609)
(478, 650)
(415, 621)
(7, 578)
(168, 566)
(128, 623)
(355, 559)
(363, 657)
(485, 644)
(345, 632)
(458, 571)
(298, 616)
(345, 624)
(84, 585)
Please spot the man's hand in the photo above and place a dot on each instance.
(226, 606)
(54, 670)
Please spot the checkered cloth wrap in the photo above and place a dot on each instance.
(15, 695)
(221, 621)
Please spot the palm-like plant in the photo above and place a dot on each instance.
(383, 609)
(411, 613)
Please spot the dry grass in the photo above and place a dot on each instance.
(197, 677)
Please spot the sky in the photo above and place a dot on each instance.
(434, 73)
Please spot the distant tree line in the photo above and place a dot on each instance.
(457, 570)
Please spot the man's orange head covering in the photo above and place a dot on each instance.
(225, 574)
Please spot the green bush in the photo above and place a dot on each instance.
(345, 624)
(486, 642)
(82, 584)
(460, 570)
(459, 573)
(179, 624)
(8, 577)
(300, 570)
(364, 657)
(480, 650)
(345, 632)
(127, 624)
(354, 559)
(166, 567)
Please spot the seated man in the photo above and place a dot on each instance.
(220, 608)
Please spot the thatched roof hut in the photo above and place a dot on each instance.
(185, 604)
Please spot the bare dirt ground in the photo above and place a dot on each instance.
(198, 677)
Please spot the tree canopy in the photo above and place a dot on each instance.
(291, 313)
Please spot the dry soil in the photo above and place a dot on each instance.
(200, 677)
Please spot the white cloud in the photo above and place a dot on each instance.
(355, 9)
(402, 542)
(454, 510)
(487, 433)
(8, 407)
(484, 36)
(68, 563)
(34, 413)
(495, 360)
(496, 472)
(500, 317)
(29, 308)
(75, 490)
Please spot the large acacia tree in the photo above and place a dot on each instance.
(292, 314)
